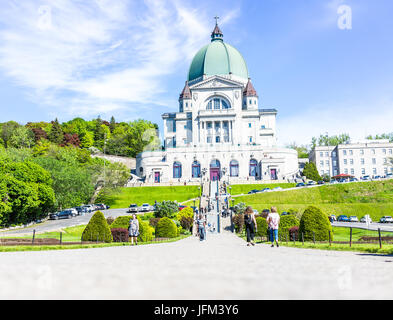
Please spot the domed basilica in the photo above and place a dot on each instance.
(220, 132)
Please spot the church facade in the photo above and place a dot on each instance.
(220, 132)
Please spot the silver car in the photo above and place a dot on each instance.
(353, 219)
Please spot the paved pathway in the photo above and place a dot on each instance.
(223, 267)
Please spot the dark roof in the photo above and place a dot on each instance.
(249, 91)
(186, 93)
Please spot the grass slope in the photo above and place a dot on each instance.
(125, 196)
(374, 198)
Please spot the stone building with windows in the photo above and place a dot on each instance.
(220, 131)
(365, 158)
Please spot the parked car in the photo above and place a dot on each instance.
(145, 208)
(377, 177)
(82, 210)
(353, 180)
(65, 214)
(321, 182)
(363, 220)
(386, 219)
(343, 218)
(133, 208)
(102, 206)
(353, 219)
(311, 183)
(285, 213)
(332, 218)
(266, 190)
(333, 181)
(300, 184)
(389, 176)
(253, 191)
(277, 189)
(88, 207)
(365, 178)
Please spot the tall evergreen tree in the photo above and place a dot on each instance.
(56, 134)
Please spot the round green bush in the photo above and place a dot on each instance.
(145, 231)
(315, 221)
(97, 228)
(286, 222)
(261, 227)
(166, 228)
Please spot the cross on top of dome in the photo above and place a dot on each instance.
(217, 33)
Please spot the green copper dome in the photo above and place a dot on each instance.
(217, 58)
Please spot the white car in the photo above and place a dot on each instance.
(145, 208)
(386, 219)
(277, 189)
(353, 219)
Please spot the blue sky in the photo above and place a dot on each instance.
(130, 59)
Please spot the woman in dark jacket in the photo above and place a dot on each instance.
(250, 224)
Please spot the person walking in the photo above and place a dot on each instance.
(273, 221)
(133, 229)
(201, 222)
(251, 225)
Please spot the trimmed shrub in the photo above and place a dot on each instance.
(120, 235)
(145, 231)
(97, 228)
(315, 221)
(238, 221)
(166, 228)
(186, 222)
(294, 233)
(186, 212)
(261, 227)
(286, 222)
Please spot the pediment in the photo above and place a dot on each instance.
(217, 82)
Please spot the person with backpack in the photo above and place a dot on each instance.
(250, 224)
(273, 221)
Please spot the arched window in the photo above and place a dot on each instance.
(234, 168)
(196, 169)
(253, 167)
(218, 104)
(177, 170)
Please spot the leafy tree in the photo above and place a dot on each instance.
(302, 151)
(7, 129)
(310, 172)
(166, 209)
(22, 137)
(325, 140)
(388, 136)
(314, 221)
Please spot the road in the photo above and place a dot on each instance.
(373, 226)
(222, 267)
(55, 225)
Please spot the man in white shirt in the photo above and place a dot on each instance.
(273, 221)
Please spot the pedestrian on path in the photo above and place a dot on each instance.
(273, 221)
(201, 222)
(133, 229)
(251, 225)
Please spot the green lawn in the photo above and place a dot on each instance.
(358, 199)
(139, 195)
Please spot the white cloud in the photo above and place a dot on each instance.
(98, 55)
(356, 119)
